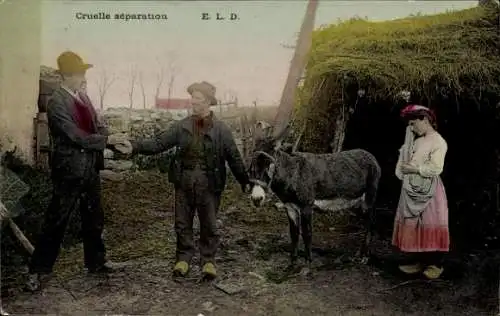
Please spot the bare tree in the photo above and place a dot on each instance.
(143, 91)
(160, 78)
(104, 82)
(233, 97)
(230, 97)
(133, 79)
(171, 82)
(172, 73)
(171, 70)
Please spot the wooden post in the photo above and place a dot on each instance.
(36, 153)
(248, 137)
(243, 136)
(42, 141)
(251, 124)
(254, 113)
(296, 70)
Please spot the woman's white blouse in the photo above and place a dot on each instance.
(428, 155)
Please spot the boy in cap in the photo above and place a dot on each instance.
(198, 174)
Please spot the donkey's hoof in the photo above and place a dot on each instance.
(364, 260)
(306, 272)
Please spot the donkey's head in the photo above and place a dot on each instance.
(263, 162)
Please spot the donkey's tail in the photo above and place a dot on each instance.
(372, 183)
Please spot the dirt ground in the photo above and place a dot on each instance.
(253, 252)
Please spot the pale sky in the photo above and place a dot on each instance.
(243, 57)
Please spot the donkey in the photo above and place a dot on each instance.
(305, 181)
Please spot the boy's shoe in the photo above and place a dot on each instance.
(181, 269)
(209, 271)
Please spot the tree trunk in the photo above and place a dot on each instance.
(296, 69)
(340, 128)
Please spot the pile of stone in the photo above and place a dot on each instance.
(49, 81)
(143, 123)
(49, 74)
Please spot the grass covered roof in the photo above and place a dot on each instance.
(451, 50)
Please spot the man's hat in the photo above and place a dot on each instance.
(207, 89)
(70, 63)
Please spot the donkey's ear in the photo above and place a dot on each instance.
(258, 132)
(271, 170)
(269, 130)
(278, 143)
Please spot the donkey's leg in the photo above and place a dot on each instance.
(370, 227)
(293, 214)
(369, 220)
(294, 236)
(306, 224)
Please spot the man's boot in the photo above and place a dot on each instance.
(33, 283)
(35, 280)
(106, 268)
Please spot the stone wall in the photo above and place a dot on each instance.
(137, 123)
(144, 123)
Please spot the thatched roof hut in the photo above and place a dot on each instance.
(355, 77)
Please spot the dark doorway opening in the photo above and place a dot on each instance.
(471, 129)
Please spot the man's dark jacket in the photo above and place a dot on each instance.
(76, 153)
(219, 147)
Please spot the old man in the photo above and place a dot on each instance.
(198, 173)
(78, 142)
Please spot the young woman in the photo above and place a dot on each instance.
(421, 223)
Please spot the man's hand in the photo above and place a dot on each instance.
(120, 143)
(124, 147)
(117, 138)
(407, 168)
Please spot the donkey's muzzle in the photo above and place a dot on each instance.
(258, 195)
(257, 201)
